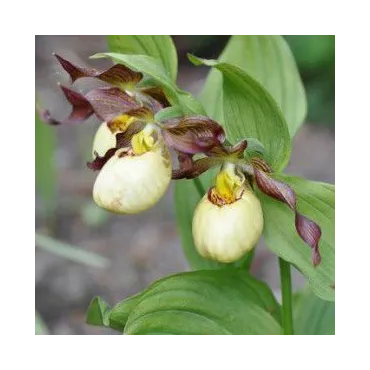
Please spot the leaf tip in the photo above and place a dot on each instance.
(98, 56)
(316, 257)
(97, 312)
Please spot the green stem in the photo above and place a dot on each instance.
(286, 294)
(199, 186)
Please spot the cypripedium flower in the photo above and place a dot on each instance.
(130, 147)
(228, 221)
(257, 174)
(133, 180)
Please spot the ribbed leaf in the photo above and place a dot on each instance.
(202, 302)
(250, 111)
(312, 315)
(160, 47)
(316, 201)
(168, 113)
(268, 60)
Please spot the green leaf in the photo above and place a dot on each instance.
(160, 47)
(205, 302)
(154, 69)
(201, 302)
(45, 169)
(268, 60)
(40, 326)
(312, 315)
(169, 112)
(316, 201)
(67, 251)
(250, 111)
(255, 147)
(98, 312)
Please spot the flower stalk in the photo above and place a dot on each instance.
(200, 188)
(286, 294)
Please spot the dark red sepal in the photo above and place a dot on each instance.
(149, 102)
(143, 113)
(239, 148)
(98, 163)
(124, 138)
(195, 134)
(307, 229)
(310, 232)
(157, 94)
(189, 169)
(106, 102)
(110, 102)
(81, 109)
(118, 75)
(275, 189)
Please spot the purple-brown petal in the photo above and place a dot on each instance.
(185, 165)
(310, 232)
(200, 126)
(307, 229)
(158, 94)
(143, 113)
(195, 134)
(124, 138)
(118, 75)
(81, 109)
(239, 148)
(189, 169)
(185, 143)
(149, 102)
(106, 103)
(98, 163)
(110, 102)
(276, 189)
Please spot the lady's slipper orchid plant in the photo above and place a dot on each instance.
(131, 150)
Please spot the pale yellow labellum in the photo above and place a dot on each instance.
(228, 221)
(133, 183)
(103, 141)
(226, 233)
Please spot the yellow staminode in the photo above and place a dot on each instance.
(228, 185)
(120, 123)
(142, 142)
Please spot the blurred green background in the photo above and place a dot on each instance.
(315, 56)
